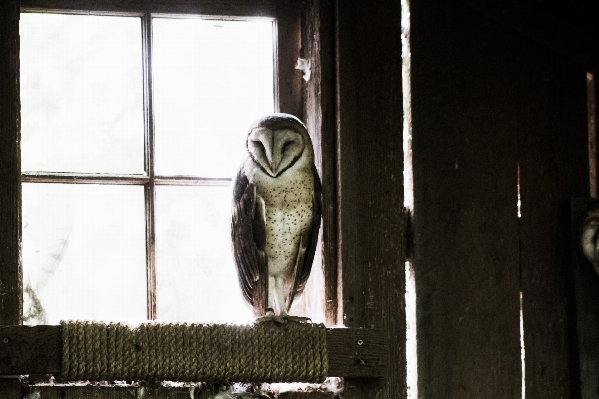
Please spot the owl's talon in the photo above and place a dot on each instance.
(270, 318)
(298, 319)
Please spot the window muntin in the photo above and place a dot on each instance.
(234, 113)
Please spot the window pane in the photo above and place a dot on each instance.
(195, 274)
(83, 253)
(81, 93)
(212, 79)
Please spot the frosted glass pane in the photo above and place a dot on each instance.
(83, 253)
(196, 278)
(212, 79)
(81, 93)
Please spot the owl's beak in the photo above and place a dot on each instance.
(273, 158)
(275, 162)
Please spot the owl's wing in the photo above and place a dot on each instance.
(308, 243)
(248, 236)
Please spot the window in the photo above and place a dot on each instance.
(130, 139)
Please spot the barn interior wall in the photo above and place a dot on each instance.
(492, 113)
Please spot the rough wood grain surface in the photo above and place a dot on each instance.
(10, 186)
(289, 87)
(554, 167)
(10, 165)
(201, 7)
(112, 392)
(370, 173)
(465, 114)
(38, 350)
(317, 47)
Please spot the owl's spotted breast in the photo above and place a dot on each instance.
(288, 213)
(276, 214)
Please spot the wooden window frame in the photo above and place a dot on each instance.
(352, 107)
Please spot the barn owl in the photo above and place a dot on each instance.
(590, 235)
(276, 215)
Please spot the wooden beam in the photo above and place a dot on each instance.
(231, 8)
(147, 391)
(10, 185)
(570, 39)
(38, 349)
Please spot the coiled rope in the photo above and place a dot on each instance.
(266, 352)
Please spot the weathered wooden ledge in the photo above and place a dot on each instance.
(352, 352)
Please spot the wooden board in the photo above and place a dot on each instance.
(370, 178)
(553, 168)
(38, 350)
(210, 7)
(148, 392)
(583, 289)
(319, 116)
(10, 185)
(466, 252)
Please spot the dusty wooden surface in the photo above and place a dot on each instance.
(38, 350)
(289, 85)
(111, 392)
(317, 47)
(370, 172)
(10, 186)
(203, 7)
(465, 114)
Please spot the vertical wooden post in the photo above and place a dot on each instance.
(554, 167)
(319, 116)
(370, 173)
(10, 184)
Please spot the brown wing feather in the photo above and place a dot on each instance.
(309, 242)
(248, 238)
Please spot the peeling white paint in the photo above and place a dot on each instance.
(304, 65)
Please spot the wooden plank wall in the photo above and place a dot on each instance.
(486, 104)
(10, 186)
(370, 169)
(553, 169)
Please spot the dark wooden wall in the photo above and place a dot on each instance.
(492, 109)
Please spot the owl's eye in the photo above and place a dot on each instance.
(258, 144)
(287, 145)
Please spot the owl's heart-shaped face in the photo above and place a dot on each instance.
(275, 151)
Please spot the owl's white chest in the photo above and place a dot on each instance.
(288, 213)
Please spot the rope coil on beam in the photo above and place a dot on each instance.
(267, 352)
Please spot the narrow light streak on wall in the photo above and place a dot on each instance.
(592, 124)
(411, 352)
(519, 202)
(410, 295)
(522, 351)
(407, 105)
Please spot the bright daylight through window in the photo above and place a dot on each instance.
(119, 153)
